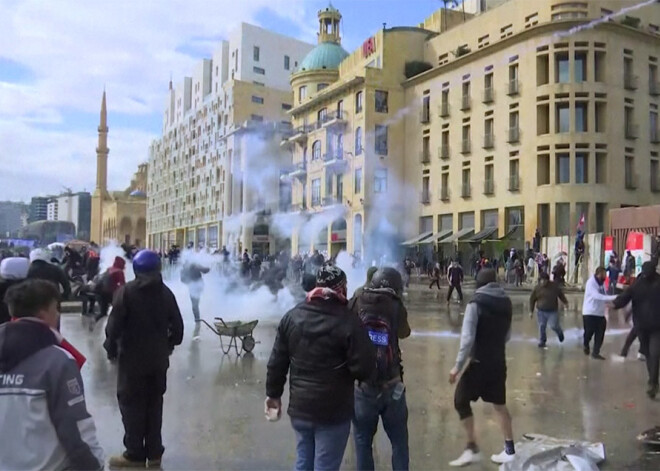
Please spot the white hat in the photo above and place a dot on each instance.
(14, 268)
(40, 254)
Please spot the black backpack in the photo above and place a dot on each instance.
(380, 332)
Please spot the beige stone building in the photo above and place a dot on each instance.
(479, 126)
(214, 172)
(117, 215)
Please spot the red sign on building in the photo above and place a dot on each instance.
(369, 47)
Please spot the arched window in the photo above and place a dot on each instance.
(316, 150)
(358, 141)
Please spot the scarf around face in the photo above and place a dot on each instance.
(326, 294)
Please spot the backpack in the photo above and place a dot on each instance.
(104, 283)
(380, 332)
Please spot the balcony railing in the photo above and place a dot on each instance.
(466, 190)
(466, 103)
(514, 87)
(334, 118)
(514, 134)
(489, 95)
(444, 194)
(655, 136)
(631, 181)
(425, 197)
(630, 81)
(425, 157)
(632, 131)
(489, 187)
(443, 109)
(299, 171)
(654, 87)
(425, 116)
(466, 146)
(489, 141)
(443, 152)
(514, 183)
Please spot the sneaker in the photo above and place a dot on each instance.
(542, 345)
(597, 356)
(121, 462)
(586, 350)
(652, 391)
(618, 358)
(466, 458)
(641, 357)
(561, 337)
(154, 464)
(503, 457)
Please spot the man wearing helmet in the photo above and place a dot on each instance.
(383, 315)
(143, 328)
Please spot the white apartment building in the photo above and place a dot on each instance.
(218, 156)
(72, 207)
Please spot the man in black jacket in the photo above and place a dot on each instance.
(42, 269)
(455, 279)
(323, 347)
(144, 327)
(385, 318)
(645, 296)
(546, 297)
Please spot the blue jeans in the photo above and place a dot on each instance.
(320, 447)
(370, 405)
(548, 317)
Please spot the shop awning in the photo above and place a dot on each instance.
(460, 235)
(437, 237)
(417, 239)
(483, 234)
(514, 233)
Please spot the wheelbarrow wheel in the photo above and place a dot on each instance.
(248, 343)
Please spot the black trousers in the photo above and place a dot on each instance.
(653, 357)
(632, 335)
(435, 281)
(458, 290)
(594, 326)
(140, 400)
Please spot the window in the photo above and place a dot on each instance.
(256, 117)
(653, 126)
(444, 188)
(381, 139)
(258, 70)
(328, 184)
(339, 146)
(581, 116)
(426, 195)
(580, 66)
(561, 68)
(316, 150)
(340, 109)
(302, 93)
(426, 109)
(466, 220)
(358, 141)
(287, 63)
(562, 218)
(380, 180)
(286, 106)
(316, 192)
(543, 218)
(257, 99)
(489, 185)
(358, 180)
(563, 118)
(381, 101)
(630, 176)
(321, 86)
(543, 170)
(444, 104)
(358, 102)
(655, 181)
(465, 180)
(255, 53)
(340, 187)
(601, 214)
(601, 168)
(322, 115)
(581, 167)
(563, 169)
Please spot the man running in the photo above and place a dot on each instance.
(546, 297)
(455, 279)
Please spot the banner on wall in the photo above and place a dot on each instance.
(639, 245)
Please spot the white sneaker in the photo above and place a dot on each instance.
(641, 357)
(466, 458)
(503, 458)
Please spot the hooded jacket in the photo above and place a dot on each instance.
(546, 296)
(116, 273)
(144, 326)
(323, 347)
(42, 270)
(42, 396)
(486, 328)
(645, 296)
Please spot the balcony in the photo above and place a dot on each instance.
(425, 197)
(443, 151)
(299, 134)
(444, 194)
(654, 88)
(514, 134)
(632, 131)
(514, 183)
(655, 136)
(489, 95)
(466, 146)
(334, 119)
(335, 162)
(489, 187)
(630, 81)
(466, 190)
(299, 171)
(425, 157)
(513, 88)
(443, 109)
(489, 141)
(631, 180)
(466, 103)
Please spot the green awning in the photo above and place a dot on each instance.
(483, 234)
(437, 237)
(417, 239)
(459, 236)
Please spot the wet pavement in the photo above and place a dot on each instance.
(214, 405)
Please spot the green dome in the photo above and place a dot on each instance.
(323, 56)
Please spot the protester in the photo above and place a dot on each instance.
(593, 313)
(435, 276)
(370, 275)
(41, 268)
(385, 318)
(45, 419)
(629, 270)
(107, 285)
(13, 270)
(559, 273)
(144, 327)
(613, 271)
(546, 297)
(486, 330)
(191, 276)
(324, 349)
(455, 279)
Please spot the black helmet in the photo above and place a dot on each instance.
(388, 277)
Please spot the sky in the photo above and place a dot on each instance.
(56, 57)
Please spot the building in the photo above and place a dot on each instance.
(11, 217)
(75, 208)
(38, 208)
(214, 173)
(117, 215)
(476, 128)
(51, 210)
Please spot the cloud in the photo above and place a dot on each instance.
(70, 50)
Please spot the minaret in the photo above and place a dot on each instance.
(101, 191)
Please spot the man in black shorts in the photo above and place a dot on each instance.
(486, 329)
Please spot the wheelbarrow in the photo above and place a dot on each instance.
(234, 330)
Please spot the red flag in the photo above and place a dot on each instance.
(580, 225)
